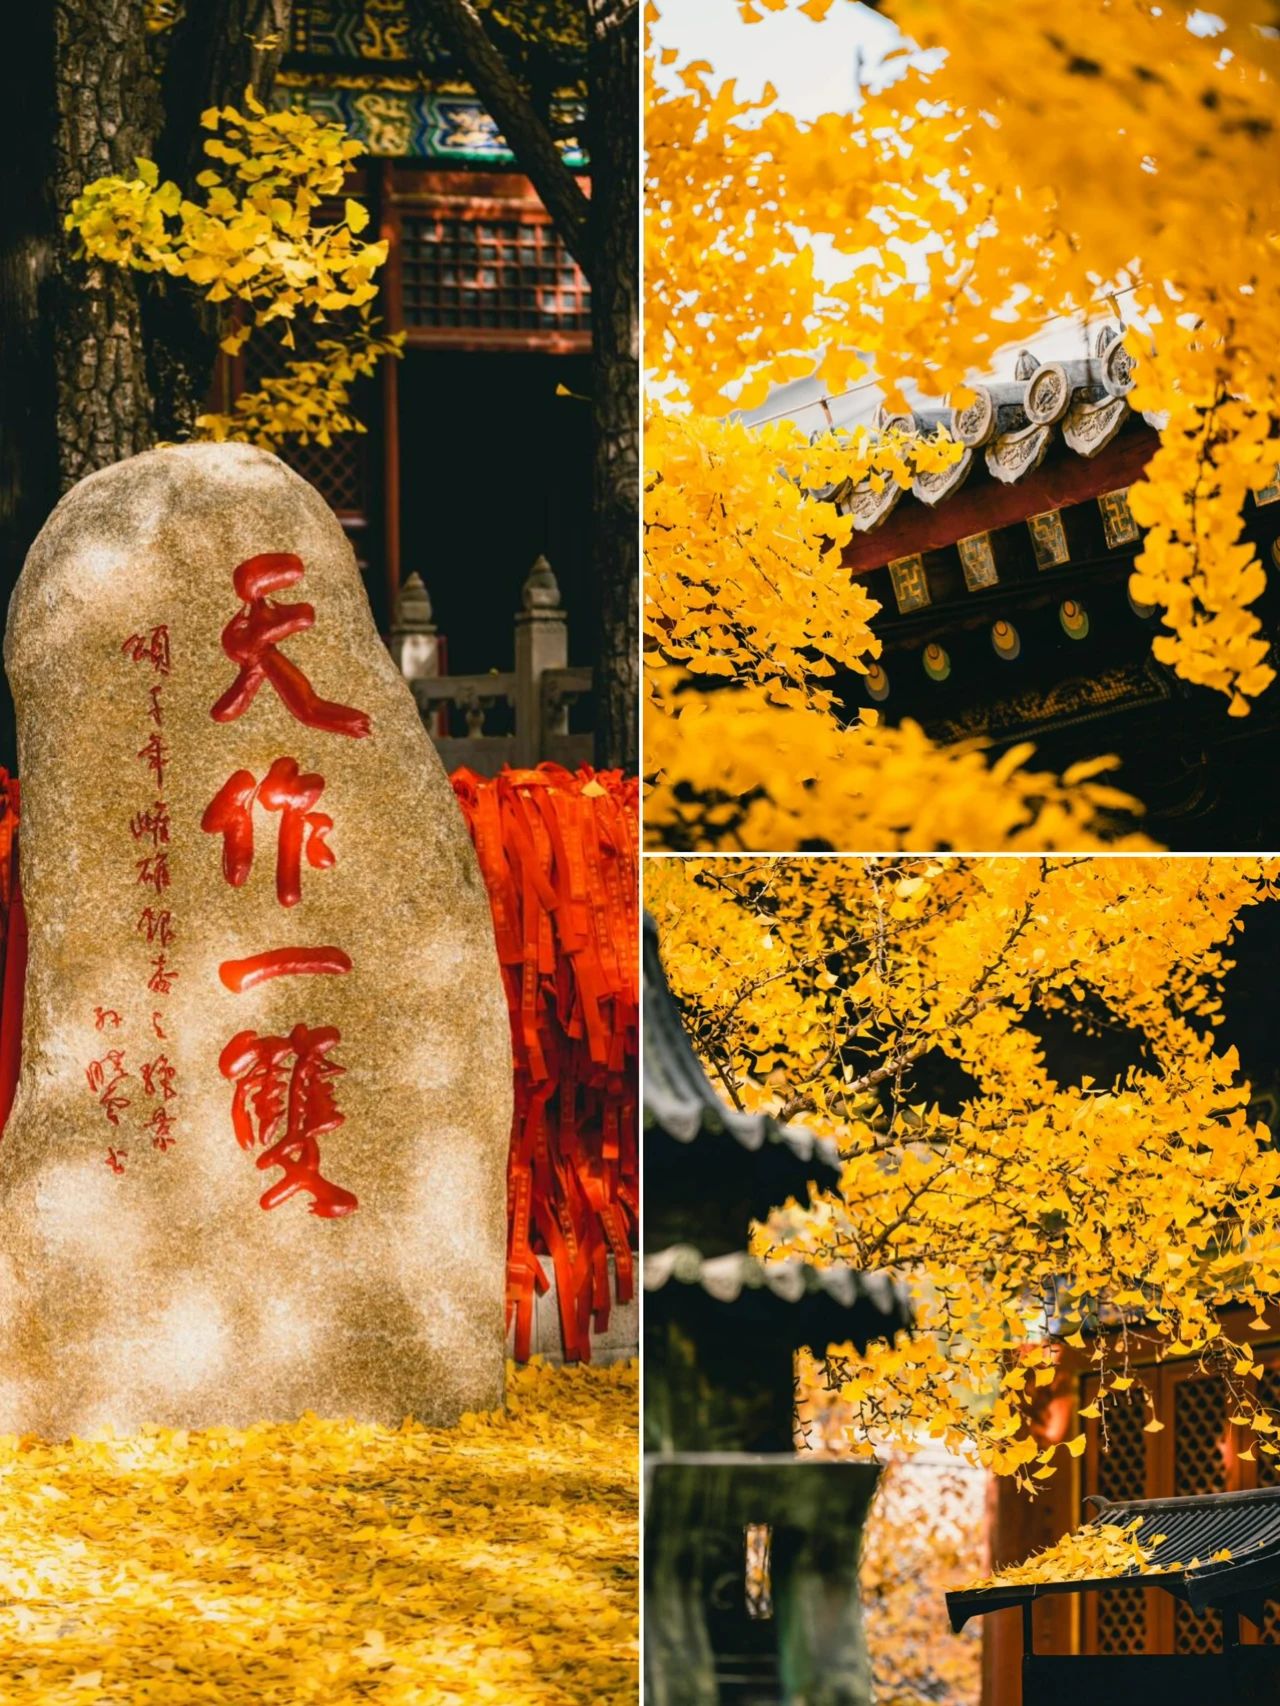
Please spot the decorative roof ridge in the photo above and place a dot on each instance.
(725, 1277)
(1010, 425)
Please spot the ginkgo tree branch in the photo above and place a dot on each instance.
(529, 138)
(801, 1100)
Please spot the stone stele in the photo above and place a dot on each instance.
(196, 797)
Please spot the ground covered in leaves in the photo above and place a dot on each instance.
(328, 1562)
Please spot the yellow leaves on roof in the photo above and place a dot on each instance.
(1113, 1215)
(330, 1561)
(1092, 1553)
(1096, 1552)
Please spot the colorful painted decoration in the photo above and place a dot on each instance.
(877, 682)
(1006, 642)
(910, 583)
(377, 70)
(937, 662)
(1118, 524)
(1048, 539)
(201, 1226)
(977, 560)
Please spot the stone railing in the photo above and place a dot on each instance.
(519, 716)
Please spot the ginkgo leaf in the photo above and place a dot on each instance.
(325, 1559)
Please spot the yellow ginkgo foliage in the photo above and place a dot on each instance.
(901, 1006)
(255, 241)
(1041, 162)
(1094, 1553)
(330, 1561)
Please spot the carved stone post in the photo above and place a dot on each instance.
(542, 643)
(415, 644)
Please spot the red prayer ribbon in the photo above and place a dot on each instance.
(559, 854)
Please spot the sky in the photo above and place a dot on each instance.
(814, 67)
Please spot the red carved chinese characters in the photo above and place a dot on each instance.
(270, 1095)
(152, 648)
(155, 753)
(152, 825)
(240, 975)
(162, 976)
(252, 639)
(301, 828)
(155, 926)
(158, 1077)
(160, 1125)
(105, 1078)
(150, 828)
(153, 871)
(284, 1108)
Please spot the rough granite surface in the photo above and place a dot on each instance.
(140, 1279)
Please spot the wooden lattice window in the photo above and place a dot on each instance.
(485, 269)
(338, 470)
(1197, 1452)
(1199, 1466)
(1122, 1474)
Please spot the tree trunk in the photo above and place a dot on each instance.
(107, 112)
(28, 246)
(613, 120)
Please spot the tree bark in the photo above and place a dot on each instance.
(28, 246)
(107, 112)
(613, 129)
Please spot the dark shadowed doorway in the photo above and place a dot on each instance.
(494, 469)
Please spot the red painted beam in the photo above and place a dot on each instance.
(982, 505)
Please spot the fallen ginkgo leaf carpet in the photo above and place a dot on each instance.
(330, 1562)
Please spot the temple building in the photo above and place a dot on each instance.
(476, 460)
(1003, 586)
(1197, 1450)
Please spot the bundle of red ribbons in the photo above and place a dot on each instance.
(558, 851)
